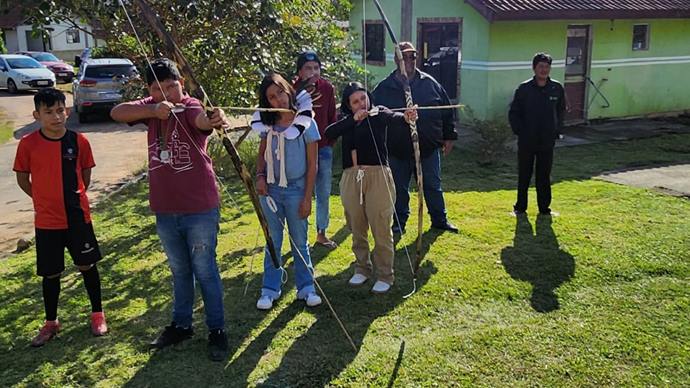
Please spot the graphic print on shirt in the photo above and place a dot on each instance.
(69, 149)
(178, 157)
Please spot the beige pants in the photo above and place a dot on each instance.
(368, 204)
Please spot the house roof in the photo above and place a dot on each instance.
(580, 9)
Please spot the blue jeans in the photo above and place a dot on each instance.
(189, 241)
(433, 194)
(322, 188)
(287, 200)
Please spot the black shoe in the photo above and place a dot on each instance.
(545, 212)
(171, 335)
(217, 345)
(519, 210)
(398, 230)
(447, 226)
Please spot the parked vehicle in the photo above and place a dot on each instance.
(19, 72)
(98, 85)
(63, 72)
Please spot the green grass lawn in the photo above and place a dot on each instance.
(597, 296)
(6, 128)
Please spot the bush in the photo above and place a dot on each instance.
(222, 163)
(3, 49)
(494, 136)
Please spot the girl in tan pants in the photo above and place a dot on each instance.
(367, 190)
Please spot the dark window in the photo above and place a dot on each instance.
(23, 63)
(640, 37)
(576, 52)
(110, 71)
(45, 57)
(72, 35)
(374, 43)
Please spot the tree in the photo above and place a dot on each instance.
(3, 49)
(230, 43)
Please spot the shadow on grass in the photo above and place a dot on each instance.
(538, 259)
(321, 353)
(314, 357)
(124, 289)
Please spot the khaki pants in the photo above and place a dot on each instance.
(368, 204)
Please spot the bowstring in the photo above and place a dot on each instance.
(141, 46)
(177, 119)
(378, 155)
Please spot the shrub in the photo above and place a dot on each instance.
(222, 163)
(494, 135)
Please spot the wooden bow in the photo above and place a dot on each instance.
(415, 140)
(197, 91)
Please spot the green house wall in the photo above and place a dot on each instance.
(496, 58)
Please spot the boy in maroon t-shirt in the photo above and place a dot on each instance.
(184, 197)
(53, 167)
(309, 71)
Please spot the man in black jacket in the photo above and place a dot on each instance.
(436, 132)
(536, 117)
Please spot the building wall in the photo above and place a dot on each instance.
(11, 41)
(392, 8)
(474, 44)
(513, 44)
(16, 41)
(641, 82)
(496, 57)
(635, 83)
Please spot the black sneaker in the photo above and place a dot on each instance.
(446, 226)
(171, 335)
(217, 345)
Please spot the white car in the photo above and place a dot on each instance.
(19, 72)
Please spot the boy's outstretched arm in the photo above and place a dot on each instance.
(86, 177)
(24, 182)
(128, 112)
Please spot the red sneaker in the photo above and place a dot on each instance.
(46, 333)
(98, 326)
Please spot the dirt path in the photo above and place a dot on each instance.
(119, 150)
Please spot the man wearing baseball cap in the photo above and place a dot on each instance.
(436, 133)
(309, 72)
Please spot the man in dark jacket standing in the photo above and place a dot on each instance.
(436, 132)
(536, 117)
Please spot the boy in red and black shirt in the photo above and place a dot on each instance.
(53, 167)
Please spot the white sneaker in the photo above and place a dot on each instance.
(380, 287)
(312, 299)
(264, 303)
(357, 279)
